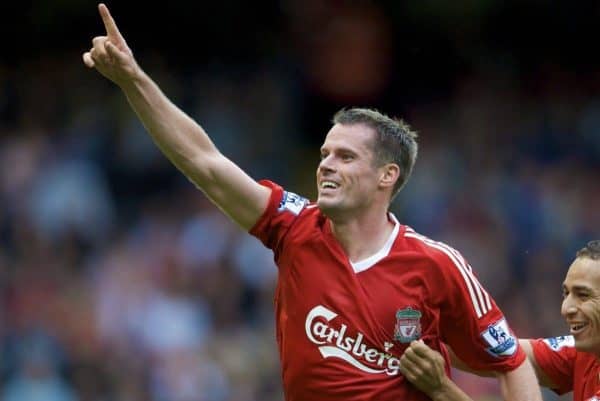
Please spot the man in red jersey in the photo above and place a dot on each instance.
(564, 364)
(355, 287)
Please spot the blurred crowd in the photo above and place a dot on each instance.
(120, 281)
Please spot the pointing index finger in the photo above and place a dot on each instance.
(109, 24)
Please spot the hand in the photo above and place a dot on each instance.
(110, 54)
(424, 368)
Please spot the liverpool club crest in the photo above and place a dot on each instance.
(408, 325)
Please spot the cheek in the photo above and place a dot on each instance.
(366, 176)
(563, 307)
(592, 310)
(363, 184)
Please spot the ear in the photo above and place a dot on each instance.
(390, 173)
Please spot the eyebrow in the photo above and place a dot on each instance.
(580, 288)
(340, 149)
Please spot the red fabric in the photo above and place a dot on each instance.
(334, 325)
(568, 368)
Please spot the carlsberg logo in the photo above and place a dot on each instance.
(335, 343)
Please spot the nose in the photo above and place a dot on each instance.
(568, 307)
(326, 164)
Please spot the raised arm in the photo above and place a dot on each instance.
(181, 139)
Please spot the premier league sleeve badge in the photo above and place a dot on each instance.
(500, 340)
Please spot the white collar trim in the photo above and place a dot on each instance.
(372, 260)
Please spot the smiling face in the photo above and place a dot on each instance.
(347, 176)
(581, 303)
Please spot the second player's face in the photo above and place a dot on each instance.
(347, 178)
(581, 304)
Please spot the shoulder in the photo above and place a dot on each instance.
(302, 215)
(453, 274)
(297, 205)
(543, 348)
(556, 344)
(285, 203)
(310, 215)
(292, 202)
(439, 253)
(285, 213)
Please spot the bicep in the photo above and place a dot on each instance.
(542, 377)
(238, 195)
(520, 383)
(461, 365)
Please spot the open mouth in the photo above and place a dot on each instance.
(577, 328)
(329, 185)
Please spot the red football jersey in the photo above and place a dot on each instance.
(568, 368)
(342, 327)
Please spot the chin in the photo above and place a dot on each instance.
(586, 345)
(324, 204)
(327, 206)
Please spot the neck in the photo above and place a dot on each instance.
(362, 236)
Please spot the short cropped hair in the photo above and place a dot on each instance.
(591, 250)
(395, 141)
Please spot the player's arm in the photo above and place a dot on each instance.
(424, 368)
(458, 363)
(542, 377)
(181, 139)
(525, 344)
(486, 342)
(520, 383)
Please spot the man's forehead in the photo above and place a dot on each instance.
(358, 133)
(583, 273)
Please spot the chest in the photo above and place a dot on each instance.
(388, 303)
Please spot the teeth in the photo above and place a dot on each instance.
(578, 326)
(328, 184)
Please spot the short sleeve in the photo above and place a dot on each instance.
(471, 322)
(556, 357)
(281, 213)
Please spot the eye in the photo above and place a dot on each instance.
(583, 296)
(347, 157)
